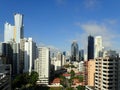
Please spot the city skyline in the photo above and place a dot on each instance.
(58, 22)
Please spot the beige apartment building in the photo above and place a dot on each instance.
(107, 73)
(91, 72)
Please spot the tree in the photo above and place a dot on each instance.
(67, 66)
(69, 88)
(25, 79)
(33, 77)
(72, 73)
(81, 87)
(17, 81)
(81, 78)
(72, 66)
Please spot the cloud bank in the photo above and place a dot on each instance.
(99, 29)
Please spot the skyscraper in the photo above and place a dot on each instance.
(42, 65)
(18, 29)
(8, 32)
(74, 51)
(98, 46)
(14, 32)
(29, 55)
(90, 47)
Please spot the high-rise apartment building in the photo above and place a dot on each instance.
(18, 29)
(74, 51)
(91, 73)
(14, 32)
(8, 32)
(42, 65)
(107, 73)
(98, 47)
(29, 55)
(90, 47)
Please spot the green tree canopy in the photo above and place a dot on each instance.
(72, 73)
(81, 87)
(24, 79)
(33, 77)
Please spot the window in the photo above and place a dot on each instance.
(110, 71)
(110, 67)
(110, 63)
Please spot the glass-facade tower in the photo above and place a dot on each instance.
(74, 51)
(90, 47)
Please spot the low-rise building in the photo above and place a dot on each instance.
(56, 81)
(66, 75)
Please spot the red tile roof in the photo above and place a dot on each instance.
(75, 81)
(56, 80)
(66, 75)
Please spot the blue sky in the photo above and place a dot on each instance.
(58, 22)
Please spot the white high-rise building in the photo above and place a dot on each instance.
(8, 32)
(18, 30)
(14, 32)
(29, 55)
(98, 46)
(42, 65)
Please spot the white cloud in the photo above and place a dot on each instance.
(93, 28)
(96, 29)
(111, 21)
(52, 48)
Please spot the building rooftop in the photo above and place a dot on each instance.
(56, 80)
(66, 75)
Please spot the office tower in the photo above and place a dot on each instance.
(29, 55)
(74, 51)
(98, 47)
(91, 73)
(107, 73)
(5, 77)
(81, 55)
(16, 57)
(14, 32)
(18, 29)
(90, 47)
(42, 65)
(22, 51)
(11, 55)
